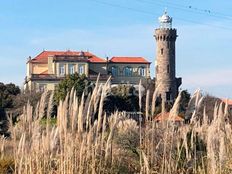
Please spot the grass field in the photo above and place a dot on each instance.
(78, 143)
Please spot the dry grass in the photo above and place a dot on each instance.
(80, 144)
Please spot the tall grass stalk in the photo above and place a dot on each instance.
(81, 143)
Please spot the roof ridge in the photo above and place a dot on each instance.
(43, 56)
(39, 54)
(134, 59)
(127, 56)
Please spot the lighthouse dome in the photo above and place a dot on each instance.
(165, 20)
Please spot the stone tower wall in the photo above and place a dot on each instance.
(165, 63)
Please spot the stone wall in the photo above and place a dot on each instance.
(165, 63)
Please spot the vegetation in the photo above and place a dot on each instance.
(7, 94)
(6, 165)
(122, 98)
(80, 83)
(78, 143)
(185, 98)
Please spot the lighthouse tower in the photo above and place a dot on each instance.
(166, 82)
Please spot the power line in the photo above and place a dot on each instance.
(205, 11)
(190, 9)
(152, 14)
(124, 7)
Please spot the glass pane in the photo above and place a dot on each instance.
(114, 71)
(71, 69)
(62, 70)
(81, 69)
(128, 71)
(142, 71)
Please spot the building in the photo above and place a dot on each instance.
(229, 103)
(129, 69)
(166, 82)
(48, 68)
(166, 117)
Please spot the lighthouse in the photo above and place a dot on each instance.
(165, 64)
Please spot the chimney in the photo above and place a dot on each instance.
(29, 58)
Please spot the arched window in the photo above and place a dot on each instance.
(161, 51)
(128, 71)
(114, 71)
(142, 71)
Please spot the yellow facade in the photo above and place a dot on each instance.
(39, 68)
(47, 75)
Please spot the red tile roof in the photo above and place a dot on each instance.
(165, 117)
(229, 101)
(95, 59)
(43, 56)
(129, 60)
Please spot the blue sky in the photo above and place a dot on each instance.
(121, 28)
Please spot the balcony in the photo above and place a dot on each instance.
(103, 77)
(53, 77)
(48, 77)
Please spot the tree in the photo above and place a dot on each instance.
(21, 100)
(76, 81)
(122, 98)
(7, 94)
(185, 98)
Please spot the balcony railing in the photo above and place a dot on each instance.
(46, 76)
(103, 77)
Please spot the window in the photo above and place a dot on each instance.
(168, 69)
(162, 51)
(71, 68)
(128, 71)
(142, 71)
(62, 69)
(169, 44)
(81, 69)
(114, 71)
(157, 69)
(42, 87)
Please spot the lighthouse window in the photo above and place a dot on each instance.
(162, 51)
(169, 44)
(157, 69)
(168, 69)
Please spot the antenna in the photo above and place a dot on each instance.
(165, 10)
